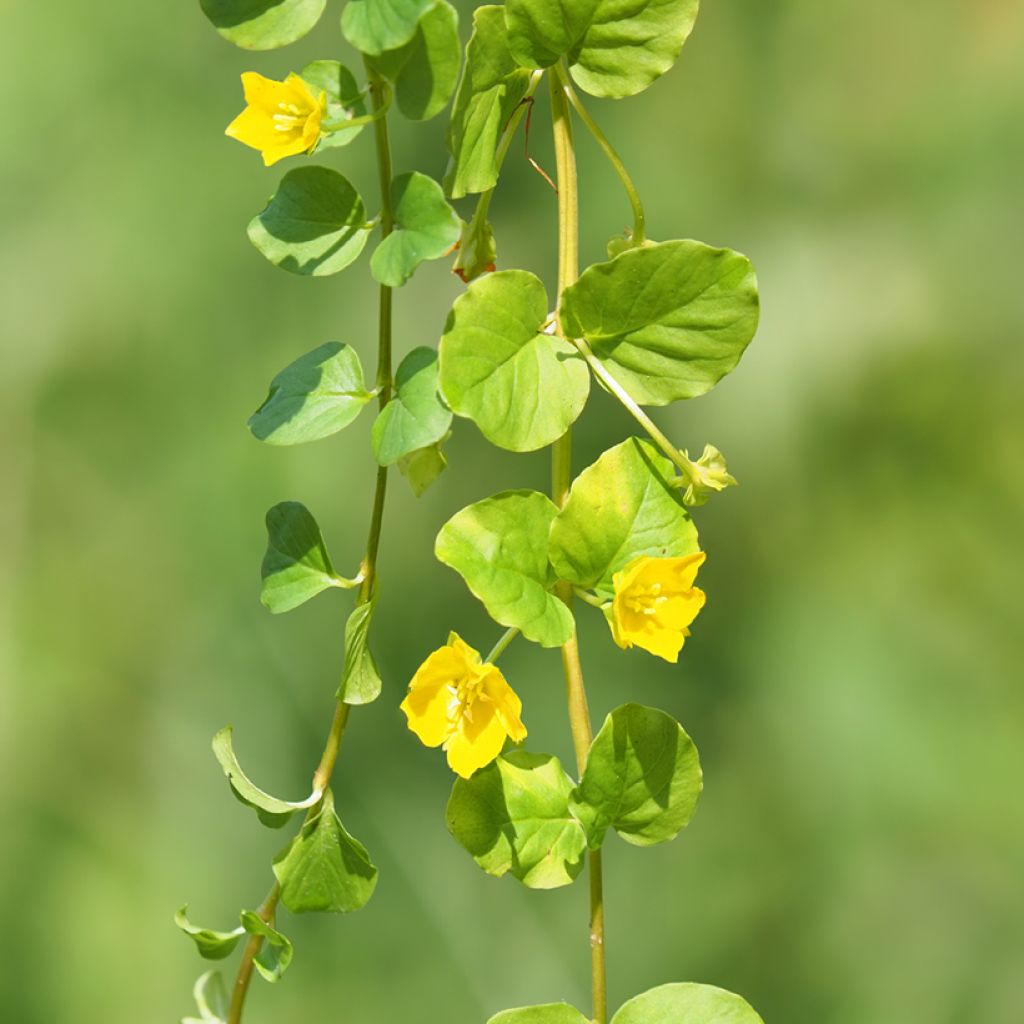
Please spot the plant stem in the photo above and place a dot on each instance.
(639, 221)
(507, 637)
(325, 769)
(561, 478)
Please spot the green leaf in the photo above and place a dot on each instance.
(314, 225)
(316, 396)
(426, 69)
(541, 31)
(630, 43)
(360, 681)
(523, 387)
(499, 546)
(669, 321)
(620, 508)
(642, 778)
(477, 250)
(344, 98)
(552, 1013)
(212, 945)
(276, 952)
(415, 417)
(421, 468)
(274, 813)
(263, 24)
(296, 565)
(324, 869)
(513, 816)
(491, 87)
(426, 228)
(694, 1004)
(373, 26)
(211, 1000)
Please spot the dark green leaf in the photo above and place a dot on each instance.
(276, 952)
(314, 225)
(263, 24)
(212, 945)
(415, 417)
(491, 87)
(426, 228)
(522, 386)
(499, 546)
(324, 869)
(686, 1004)
(642, 778)
(541, 31)
(620, 508)
(669, 320)
(513, 816)
(361, 682)
(316, 396)
(373, 26)
(345, 99)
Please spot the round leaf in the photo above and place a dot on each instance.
(694, 1004)
(642, 778)
(324, 869)
(620, 508)
(314, 225)
(415, 417)
(513, 816)
(630, 43)
(551, 1013)
(316, 396)
(500, 548)
(426, 228)
(541, 31)
(263, 24)
(522, 387)
(344, 98)
(373, 26)
(669, 320)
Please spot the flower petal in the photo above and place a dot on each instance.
(476, 743)
(426, 709)
(507, 706)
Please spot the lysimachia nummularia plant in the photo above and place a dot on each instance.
(656, 323)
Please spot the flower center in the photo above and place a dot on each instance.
(645, 600)
(288, 117)
(464, 693)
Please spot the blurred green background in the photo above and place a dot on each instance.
(854, 684)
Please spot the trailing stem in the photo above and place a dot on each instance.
(579, 714)
(379, 94)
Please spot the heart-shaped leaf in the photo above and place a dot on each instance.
(263, 24)
(373, 26)
(541, 31)
(415, 417)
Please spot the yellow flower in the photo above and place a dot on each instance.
(281, 119)
(459, 702)
(655, 601)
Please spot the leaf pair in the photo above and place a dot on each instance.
(682, 1003)
(272, 961)
(523, 814)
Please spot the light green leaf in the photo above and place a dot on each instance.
(316, 396)
(499, 546)
(296, 565)
(477, 250)
(426, 69)
(426, 228)
(421, 468)
(212, 945)
(620, 508)
(263, 24)
(314, 225)
(642, 778)
(513, 816)
(276, 952)
(668, 321)
(694, 1004)
(541, 31)
(552, 1013)
(630, 43)
(360, 681)
(373, 26)
(491, 87)
(324, 869)
(523, 387)
(274, 813)
(345, 99)
(211, 1000)
(415, 417)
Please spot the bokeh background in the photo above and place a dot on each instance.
(854, 684)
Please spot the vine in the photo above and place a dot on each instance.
(655, 323)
